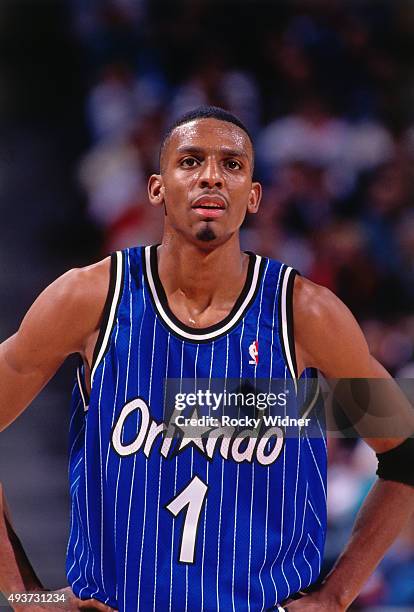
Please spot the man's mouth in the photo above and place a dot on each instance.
(209, 201)
(209, 206)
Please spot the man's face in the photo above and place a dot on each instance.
(206, 181)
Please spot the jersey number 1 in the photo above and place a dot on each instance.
(191, 498)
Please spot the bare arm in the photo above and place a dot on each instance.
(328, 338)
(65, 319)
(62, 321)
(18, 576)
(16, 573)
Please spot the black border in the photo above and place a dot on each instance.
(201, 331)
(80, 379)
(108, 304)
(289, 318)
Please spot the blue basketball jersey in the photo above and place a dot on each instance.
(163, 519)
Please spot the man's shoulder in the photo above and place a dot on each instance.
(88, 278)
(322, 323)
(314, 304)
(309, 298)
(89, 283)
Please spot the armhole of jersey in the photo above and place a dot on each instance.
(314, 394)
(81, 384)
(287, 339)
(110, 309)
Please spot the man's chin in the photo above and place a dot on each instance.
(206, 234)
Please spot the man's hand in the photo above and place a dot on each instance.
(18, 576)
(314, 602)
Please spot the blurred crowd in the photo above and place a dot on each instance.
(326, 88)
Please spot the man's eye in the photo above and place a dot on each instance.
(233, 164)
(189, 162)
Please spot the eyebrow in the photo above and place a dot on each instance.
(200, 151)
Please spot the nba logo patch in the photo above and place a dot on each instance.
(254, 353)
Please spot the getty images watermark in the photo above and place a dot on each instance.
(251, 420)
(351, 407)
(209, 403)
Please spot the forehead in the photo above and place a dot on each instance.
(210, 135)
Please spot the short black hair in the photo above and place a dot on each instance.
(203, 112)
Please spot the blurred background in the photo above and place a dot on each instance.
(327, 89)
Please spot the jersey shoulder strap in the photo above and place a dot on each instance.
(278, 286)
(125, 269)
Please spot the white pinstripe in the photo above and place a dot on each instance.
(175, 488)
(282, 513)
(75, 440)
(172, 536)
(205, 507)
(102, 350)
(252, 490)
(221, 490)
(140, 335)
(125, 397)
(146, 468)
(85, 405)
(101, 473)
(74, 551)
(237, 486)
(87, 515)
(75, 411)
(268, 468)
(313, 510)
(78, 477)
(311, 406)
(316, 465)
(294, 513)
(301, 534)
(77, 464)
(159, 479)
(319, 554)
(75, 481)
(83, 550)
(115, 398)
(191, 475)
(87, 550)
(79, 432)
(72, 524)
(87, 547)
(322, 432)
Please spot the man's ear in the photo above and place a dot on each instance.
(254, 198)
(156, 190)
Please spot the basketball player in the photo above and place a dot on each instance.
(200, 522)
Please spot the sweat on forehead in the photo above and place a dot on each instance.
(200, 113)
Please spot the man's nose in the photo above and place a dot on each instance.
(211, 175)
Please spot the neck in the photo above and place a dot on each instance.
(202, 276)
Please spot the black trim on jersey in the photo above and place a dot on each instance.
(313, 393)
(289, 318)
(107, 308)
(279, 316)
(200, 331)
(80, 378)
